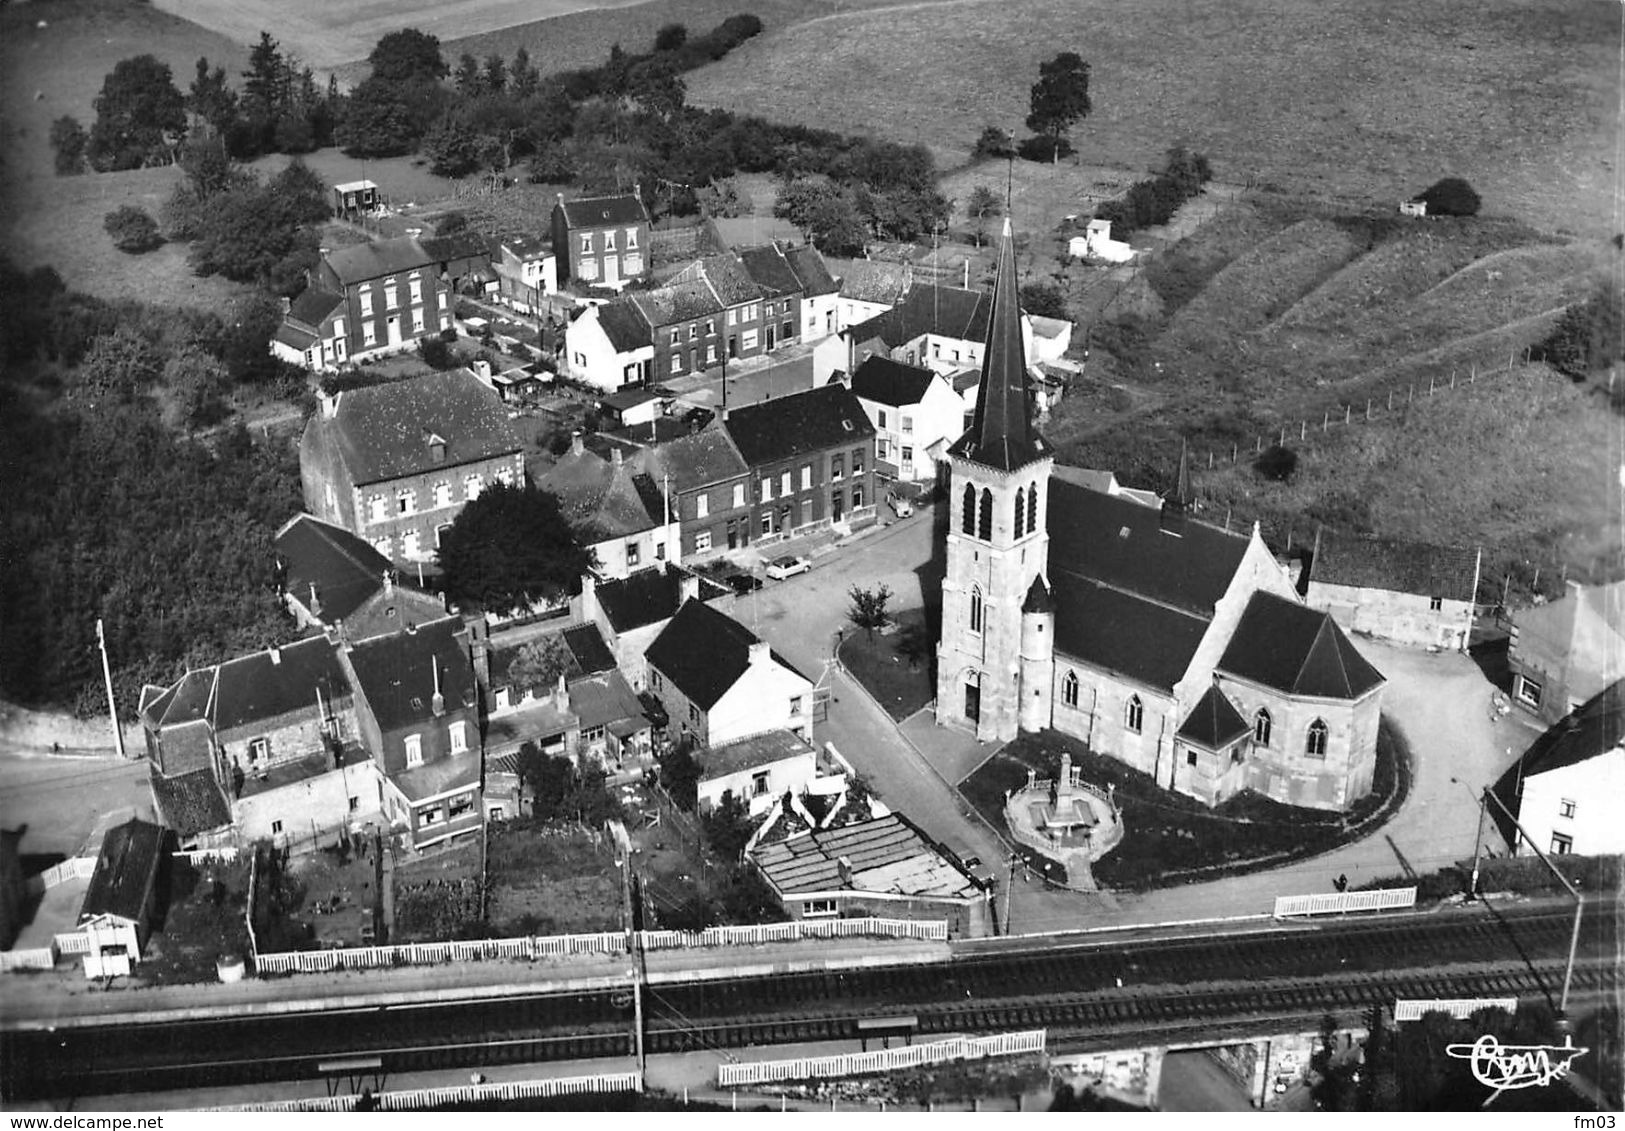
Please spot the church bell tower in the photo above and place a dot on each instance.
(998, 496)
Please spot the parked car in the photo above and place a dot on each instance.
(742, 583)
(780, 568)
(899, 505)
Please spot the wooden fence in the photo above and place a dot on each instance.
(1458, 1007)
(69, 942)
(932, 930)
(35, 958)
(225, 855)
(430, 954)
(881, 1060)
(73, 868)
(1335, 903)
(420, 1099)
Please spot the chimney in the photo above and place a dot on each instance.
(561, 695)
(688, 588)
(315, 602)
(437, 703)
(287, 304)
(844, 865)
(589, 597)
(576, 446)
(389, 583)
(615, 456)
(276, 655)
(760, 652)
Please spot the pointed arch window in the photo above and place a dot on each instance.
(1134, 715)
(1032, 508)
(976, 609)
(1069, 689)
(1261, 727)
(1315, 744)
(968, 524)
(984, 525)
(1021, 509)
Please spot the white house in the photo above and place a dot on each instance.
(914, 411)
(527, 271)
(1569, 787)
(758, 770)
(718, 682)
(1097, 243)
(610, 346)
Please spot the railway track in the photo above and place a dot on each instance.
(1110, 993)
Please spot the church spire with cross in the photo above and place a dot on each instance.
(1001, 434)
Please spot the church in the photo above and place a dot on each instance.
(1155, 638)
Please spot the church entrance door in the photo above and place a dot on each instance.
(973, 702)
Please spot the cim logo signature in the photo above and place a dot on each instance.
(1503, 1068)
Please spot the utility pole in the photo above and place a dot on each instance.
(107, 676)
(1008, 885)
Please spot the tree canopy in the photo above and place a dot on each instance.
(1059, 99)
(510, 548)
(132, 229)
(408, 55)
(140, 116)
(1451, 196)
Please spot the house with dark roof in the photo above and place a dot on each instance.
(1406, 592)
(333, 580)
(312, 332)
(1564, 652)
(630, 612)
(915, 412)
(719, 682)
(392, 292)
(866, 288)
(418, 710)
(464, 260)
(781, 289)
(1145, 632)
(527, 272)
(710, 482)
(122, 899)
(812, 461)
(886, 867)
(1568, 788)
(618, 512)
(757, 770)
(820, 292)
(709, 313)
(601, 240)
(609, 345)
(395, 463)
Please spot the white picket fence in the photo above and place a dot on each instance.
(420, 1099)
(72, 942)
(1333, 903)
(73, 868)
(430, 954)
(928, 930)
(1414, 1009)
(881, 1060)
(45, 957)
(226, 855)
(35, 958)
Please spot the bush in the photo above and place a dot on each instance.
(436, 354)
(1277, 463)
(1044, 301)
(1043, 150)
(994, 142)
(132, 229)
(1451, 197)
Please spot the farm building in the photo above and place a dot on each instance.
(1407, 592)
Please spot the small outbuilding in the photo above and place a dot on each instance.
(120, 904)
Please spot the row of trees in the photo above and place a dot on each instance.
(1154, 201)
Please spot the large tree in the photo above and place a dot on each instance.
(982, 203)
(140, 116)
(510, 548)
(408, 55)
(1060, 98)
(68, 141)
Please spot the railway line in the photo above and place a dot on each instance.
(1091, 995)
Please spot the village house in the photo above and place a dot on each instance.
(866, 288)
(620, 514)
(756, 770)
(631, 611)
(601, 241)
(942, 328)
(885, 867)
(609, 345)
(915, 413)
(463, 260)
(122, 899)
(711, 483)
(527, 272)
(781, 291)
(811, 460)
(365, 300)
(1565, 652)
(1406, 592)
(820, 293)
(1568, 788)
(418, 711)
(395, 463)
(1068, 608)
(719, 682)
(330, 579)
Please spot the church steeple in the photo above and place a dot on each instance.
(1001, 434)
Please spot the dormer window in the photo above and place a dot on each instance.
(437, 449)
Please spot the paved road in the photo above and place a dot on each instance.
(1192, 1082)
(61, 801)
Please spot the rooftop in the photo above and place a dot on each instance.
(803, 422)
(596, 211)
(887, 855)
(1394, 565)
(888, 382)
(396, 672)
(343, 569)
(126, 870)
(279, 681)
(704, 652)
(360, 262)
(750, 753)
(648, 595)
(1298, 650)
(190, 803)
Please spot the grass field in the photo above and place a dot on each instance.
(1366, 99)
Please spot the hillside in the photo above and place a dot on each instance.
(1363, 99)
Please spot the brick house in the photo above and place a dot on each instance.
(392, 294)
(417, 706)
(312, 333)
(631, 611)
(710, 481)
(719, 682)
(620, 514)
(394, 464)
(332, 579)
(601, 241)
(811, 460)
(820, 293)
(465, 261)
(781, 290)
